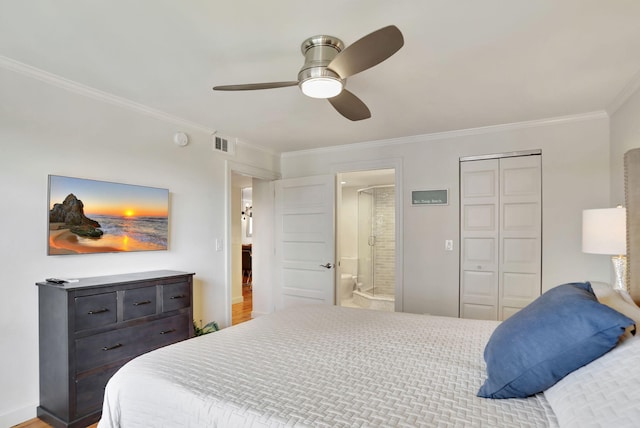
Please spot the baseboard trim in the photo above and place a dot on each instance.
(18, 416)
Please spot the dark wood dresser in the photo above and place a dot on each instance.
(90, 328)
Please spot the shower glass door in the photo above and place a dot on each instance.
(366, 241)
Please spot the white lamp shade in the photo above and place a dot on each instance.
(604, 231)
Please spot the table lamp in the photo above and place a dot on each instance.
(604, 231)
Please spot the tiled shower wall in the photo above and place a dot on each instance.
(384, 225)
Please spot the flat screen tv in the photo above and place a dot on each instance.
(90, 216)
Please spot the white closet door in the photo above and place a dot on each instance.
(479, 239)
(520, 233)
(500, 233)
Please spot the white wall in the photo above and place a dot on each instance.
(48, 130)
(625, 135)
(263, 245)
(575, 162)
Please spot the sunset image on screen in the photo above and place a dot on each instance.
(90, 216)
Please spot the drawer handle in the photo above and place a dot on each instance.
(179, 296)
(145, 302)
(168, 331)
(98, 311)
(109, 348)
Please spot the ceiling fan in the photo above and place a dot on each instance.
(327, 64)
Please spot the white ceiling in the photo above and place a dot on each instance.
(465, 63)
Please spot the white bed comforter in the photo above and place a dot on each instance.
(320, 366)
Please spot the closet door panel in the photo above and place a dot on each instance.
(518, 290)
(520, 233)
(479, 239)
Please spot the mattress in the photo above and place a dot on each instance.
(320, 366)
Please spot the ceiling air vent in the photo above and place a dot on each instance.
(224, 144)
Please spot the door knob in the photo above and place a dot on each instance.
(328, 265)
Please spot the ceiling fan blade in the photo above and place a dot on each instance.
(370, 50)
(350, 106)
(253, 86)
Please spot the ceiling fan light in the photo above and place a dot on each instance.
(321, 87)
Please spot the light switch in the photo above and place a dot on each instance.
(219, 244)
(448, 245)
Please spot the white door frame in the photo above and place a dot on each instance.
(255, 172)
(396, 164)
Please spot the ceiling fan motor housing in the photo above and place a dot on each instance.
(318, 52)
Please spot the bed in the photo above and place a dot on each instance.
(319, 365)
(328, 366)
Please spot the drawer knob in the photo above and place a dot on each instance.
(179, 296)
(144, 302)
(109, 348)
(98, 311)
(168, 331)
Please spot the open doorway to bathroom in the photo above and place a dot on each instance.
(367, 231)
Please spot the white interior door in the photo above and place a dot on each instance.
(305, 241)
(479, 202)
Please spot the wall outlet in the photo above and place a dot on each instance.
(448, 245)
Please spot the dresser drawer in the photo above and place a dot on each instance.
(90, 391)
(100, 349)
(175, 296)
(139, 302)
(95, 311)
(169, 330)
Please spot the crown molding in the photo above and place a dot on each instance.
(78, 88)
(256, 148)
(601, 114)
(629, 89)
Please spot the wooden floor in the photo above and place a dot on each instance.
(241, 312)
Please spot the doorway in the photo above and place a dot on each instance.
(367, 245)
(237, 177)
(241, 248)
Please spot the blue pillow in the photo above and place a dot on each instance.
(559, 332)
